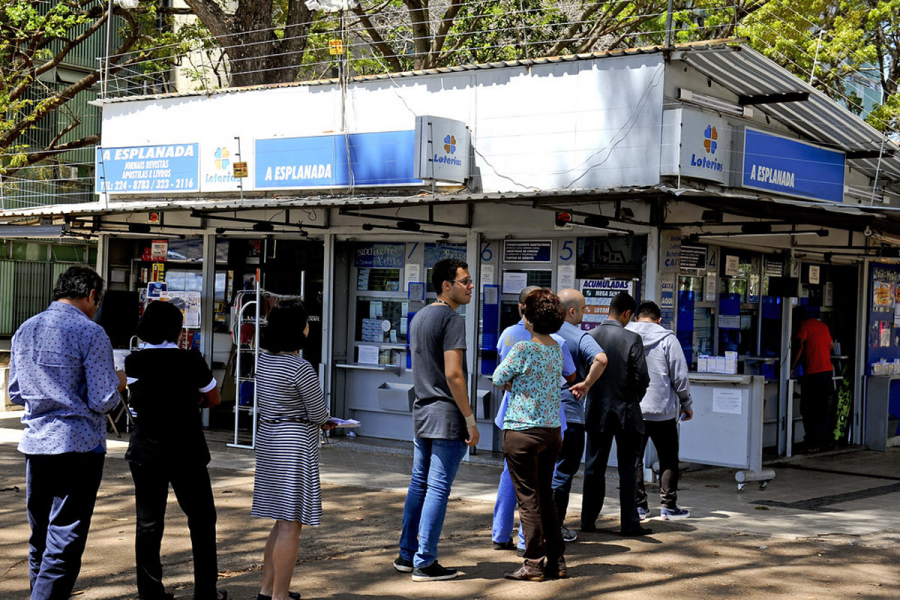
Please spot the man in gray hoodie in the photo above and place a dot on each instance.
(667, 398)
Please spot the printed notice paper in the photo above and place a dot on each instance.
(565, 276)
(368, 355)
(727, 401)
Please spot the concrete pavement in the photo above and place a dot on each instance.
(827, 525)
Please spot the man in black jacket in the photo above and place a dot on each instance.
(613, 410)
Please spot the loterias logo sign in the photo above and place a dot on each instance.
(449, 151)
(790, 167)
(442, 149)
(217, 165)
(695, 144)
(710, 145)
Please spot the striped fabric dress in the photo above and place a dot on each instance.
(286, 484)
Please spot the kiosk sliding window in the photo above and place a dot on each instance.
(377, 280)
(381, 320)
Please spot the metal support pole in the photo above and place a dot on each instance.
(669, 25)
(473, 254)
(326, 366)
(207, 312)
(108, 42)
(785, 385)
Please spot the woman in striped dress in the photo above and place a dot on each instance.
(291, 411)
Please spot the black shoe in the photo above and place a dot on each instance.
(403, 565)
(589, 528)
(636, 531)
(507, 545)
(291, 595)
(433, 572)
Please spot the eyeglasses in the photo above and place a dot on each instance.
(466, 282)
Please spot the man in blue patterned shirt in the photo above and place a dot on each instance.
(61, 370)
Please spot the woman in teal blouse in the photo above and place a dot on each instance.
(531, 434)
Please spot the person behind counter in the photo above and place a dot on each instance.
(531, 434)
(168, 447)
(813, 348)
(668, 398)
(292, 410)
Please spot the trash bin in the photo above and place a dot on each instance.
(396, 396)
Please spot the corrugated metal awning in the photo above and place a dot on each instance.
(746, 72)
(30, 231)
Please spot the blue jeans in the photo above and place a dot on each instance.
(60, 496)
(505, 511)
(435, 463)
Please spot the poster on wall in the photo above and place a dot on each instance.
(814, 274)
(732, 265)
(598, 293)
(667, 300)
(565, 277)
(882, 296)
(514, 281)
(188, 303)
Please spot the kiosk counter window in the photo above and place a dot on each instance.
(739, 289)
(697, 292)
(379, 305)
(377, 280)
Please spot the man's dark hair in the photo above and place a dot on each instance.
(650, 310)
(77, 282)
(446, 270)
(544, 311)
(622, 303)
(162, 322)
(284, 327)
(799, 314)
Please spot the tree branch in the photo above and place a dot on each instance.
(446, 23)
(36, 157)
(379, 42)
(418, 15)
(219, 23)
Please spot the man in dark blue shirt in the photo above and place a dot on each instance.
(61, 370)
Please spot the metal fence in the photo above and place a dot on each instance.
(25, 290)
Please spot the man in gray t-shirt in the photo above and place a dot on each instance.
(443, 423)
(437, 329)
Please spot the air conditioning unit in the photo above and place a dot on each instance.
(68, 172)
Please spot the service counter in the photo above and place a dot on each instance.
(727, 427)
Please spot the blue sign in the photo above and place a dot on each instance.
(384, 158)
(379, 256)
(139, 169)
(531, 251)
(441, 250)
(776, 164)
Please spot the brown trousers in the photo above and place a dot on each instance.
(531, 456)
